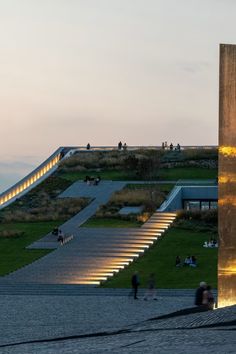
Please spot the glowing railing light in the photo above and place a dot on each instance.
(30, 180)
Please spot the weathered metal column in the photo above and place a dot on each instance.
(227, 177)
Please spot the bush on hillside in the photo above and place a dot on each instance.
(11, 233)
(208, 216)
(47, 210)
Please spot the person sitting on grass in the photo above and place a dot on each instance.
(55, 231)
(177, 261)
(193, 262)
(187, 261)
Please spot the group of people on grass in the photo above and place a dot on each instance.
(92, 181)
(212, 243)
(190, 261)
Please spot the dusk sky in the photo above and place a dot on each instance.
(101, 71)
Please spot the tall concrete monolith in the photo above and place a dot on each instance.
(227, 177)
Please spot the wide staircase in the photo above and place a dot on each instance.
(94, 254)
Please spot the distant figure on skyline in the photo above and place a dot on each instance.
(88, 146)
(163, 146)
(120, 145)
(125, 147)
(171, 146)
(178, 147)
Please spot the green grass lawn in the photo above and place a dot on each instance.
(187, 173)
(13, 254)
(110, 222)
(163, 174)
(160, 259)
(116, 175)
(161, 187)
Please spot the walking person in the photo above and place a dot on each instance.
(151, 292)
(135, 284)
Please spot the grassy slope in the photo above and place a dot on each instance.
(13, 254)
(164, 174)
(116, 175)
(161, 187)
(187, 173)
(160, 259)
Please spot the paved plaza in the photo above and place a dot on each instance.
(44, 311)
(112, 324)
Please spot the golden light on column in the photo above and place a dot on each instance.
(227, 177)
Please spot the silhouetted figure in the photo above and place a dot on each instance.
(151, 292)
(87, 178)
(60, 237)
(120, 145)
(171, 146)
(199, 293)
(55, 231)
(166, 145)
(208, 298)
(135, 284)
(163, 146)
(97, 180)
(177, 261)
(187, 261)
(125, 147)
(88, 146)
(178, 147)
(193, 262)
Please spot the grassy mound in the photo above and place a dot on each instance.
(12, 250)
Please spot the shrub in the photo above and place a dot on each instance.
(11, 233)
(208, 216)
(49, 210)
